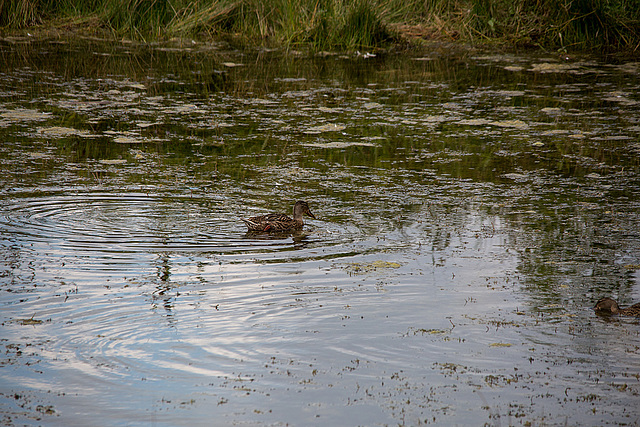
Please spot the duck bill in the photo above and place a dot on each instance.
(310, 214)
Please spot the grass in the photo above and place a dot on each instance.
(341, 24)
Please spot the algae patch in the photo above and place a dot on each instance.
(29, 321)
(368, 267)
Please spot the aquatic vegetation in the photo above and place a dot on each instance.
(22, 115)
(368, 267)
(329, 127)
(31, 321)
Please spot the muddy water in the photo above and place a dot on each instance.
(470, 208)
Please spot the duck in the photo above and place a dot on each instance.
(279, 222)
(610, 306)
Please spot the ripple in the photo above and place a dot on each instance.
(133, 222)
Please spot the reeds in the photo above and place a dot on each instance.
(341, 24)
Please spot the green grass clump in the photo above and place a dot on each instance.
(145, 17)
(357, 25)
(363, 27)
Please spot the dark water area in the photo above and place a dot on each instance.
(470, 210)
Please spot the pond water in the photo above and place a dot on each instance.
(470, 209)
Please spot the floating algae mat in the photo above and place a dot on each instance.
(358, 267)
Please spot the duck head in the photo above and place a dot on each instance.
(301, 208)
(606, 306)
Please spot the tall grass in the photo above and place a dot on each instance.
(19, 14)
(343, 24)
(592, 24)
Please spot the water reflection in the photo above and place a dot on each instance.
(165, 293)
(471, 210)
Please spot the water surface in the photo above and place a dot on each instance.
(471, 208)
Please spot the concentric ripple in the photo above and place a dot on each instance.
(141, 222)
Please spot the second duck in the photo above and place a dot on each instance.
(610, 306)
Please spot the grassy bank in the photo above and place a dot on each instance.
(338, 24)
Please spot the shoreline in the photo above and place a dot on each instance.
(365, 25)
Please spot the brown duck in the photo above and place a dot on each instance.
(610, 306)
(279, 222)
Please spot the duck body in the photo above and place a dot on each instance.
(279, 222)
(610, 306)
